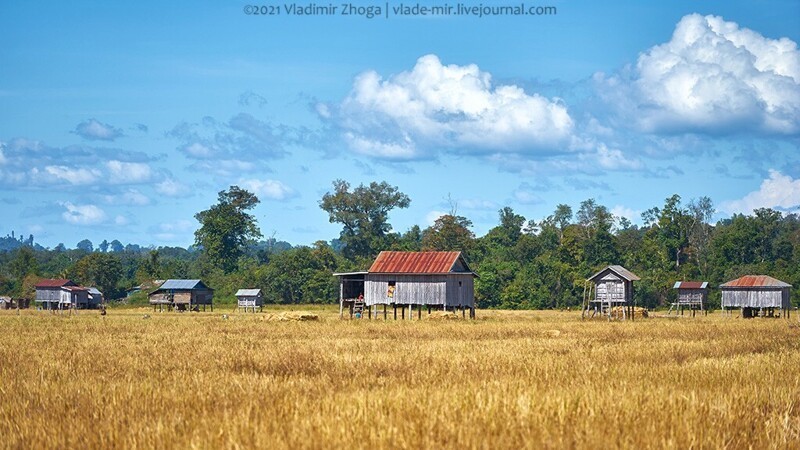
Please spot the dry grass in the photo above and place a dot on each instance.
(507, 380)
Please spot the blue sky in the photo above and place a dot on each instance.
(123, 120)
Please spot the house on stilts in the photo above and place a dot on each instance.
(692, 295)
(409, 281)
(182, 295)
(756, 295)
(609, 292)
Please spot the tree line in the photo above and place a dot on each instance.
(522, 263)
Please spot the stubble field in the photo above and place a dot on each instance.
(506, 380)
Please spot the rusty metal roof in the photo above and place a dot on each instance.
(619, 270)
(59, 282)
(417, 262)
(755, 281)
(690, 285)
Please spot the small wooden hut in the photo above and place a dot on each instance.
(610, 292)
(756, 295)
(95, 297)
(692, 295)
(182, 295)
(249, 298)
(404, 280)
(61, 294)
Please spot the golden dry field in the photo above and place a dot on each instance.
(507, 380)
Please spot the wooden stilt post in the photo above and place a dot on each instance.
(429, 309)
(419, 312)
(410, 312)
(384, 311)
(463, 312)
(402, 313)
(394, 305)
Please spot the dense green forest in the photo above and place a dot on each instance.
(522, 263)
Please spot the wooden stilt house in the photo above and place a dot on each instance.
(756, 295)
(409, 280)
(59, 294)
(182, 295)
(610, 293)
(692, 295)
(249, 299)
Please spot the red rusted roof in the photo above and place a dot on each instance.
(53, 283)
(690, 285)
(415, 262)
(756, 281)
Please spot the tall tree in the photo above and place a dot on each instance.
(449, 233)
(226, 227)
(103, 246)
(364, 215)
(103, 270)
(85, 245)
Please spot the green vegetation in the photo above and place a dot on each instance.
(523, 263)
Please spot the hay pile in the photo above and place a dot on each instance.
(291, 316)
(638, 312)
(443, 315)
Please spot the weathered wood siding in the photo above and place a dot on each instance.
(248, 301)
(755, 298)
(436, 290)
(611, 288)
(691, 296)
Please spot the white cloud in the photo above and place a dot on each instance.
(778, 191)
(431, 217)
(2, 155)
(268, 189)
(712, 77)
(628, 213)
(198, 150)
(172, 188)
(129, 197)
(70, 175)
(434, 106)
(95, 130)
(83, 214)
(121, 220)
(128, 172)
(527, 195)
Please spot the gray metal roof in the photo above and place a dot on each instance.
(94, 291)
(248, 292)
(619, 270)
(183, 284)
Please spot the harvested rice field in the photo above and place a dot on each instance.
(140, 379)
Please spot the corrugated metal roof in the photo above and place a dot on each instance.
(58, 282)
(248, 292)
(415, 262)
(619, 270)
(74, 288)
(755, 281)
(95, 291)
(690, 285)
(182, 284)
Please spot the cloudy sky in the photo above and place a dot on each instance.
(121, 120)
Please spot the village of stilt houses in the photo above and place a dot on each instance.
(500, 340)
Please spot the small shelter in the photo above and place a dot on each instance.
(756, 295)
(249, 298)
(6, 303)
(610, 292)
(407, 279)
(61, 294)
(182, 295)
(692, 295)
(95, 296)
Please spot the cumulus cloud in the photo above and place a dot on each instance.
(628, 213)
(778, 191)
(130, 197)
(711, 77)
(435, 106)
(62, 174)
(268, 189)
(83, 214)
(121, 172)
(95, 130)
(527, 195)
(172, 188)
(432, 216)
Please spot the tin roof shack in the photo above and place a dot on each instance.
(692, 295)
(61, 294)
(6, 303)
(610, 292)
(249, 298)
(95, 296)
(407, 279)
(756, 295)
(182, 295)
